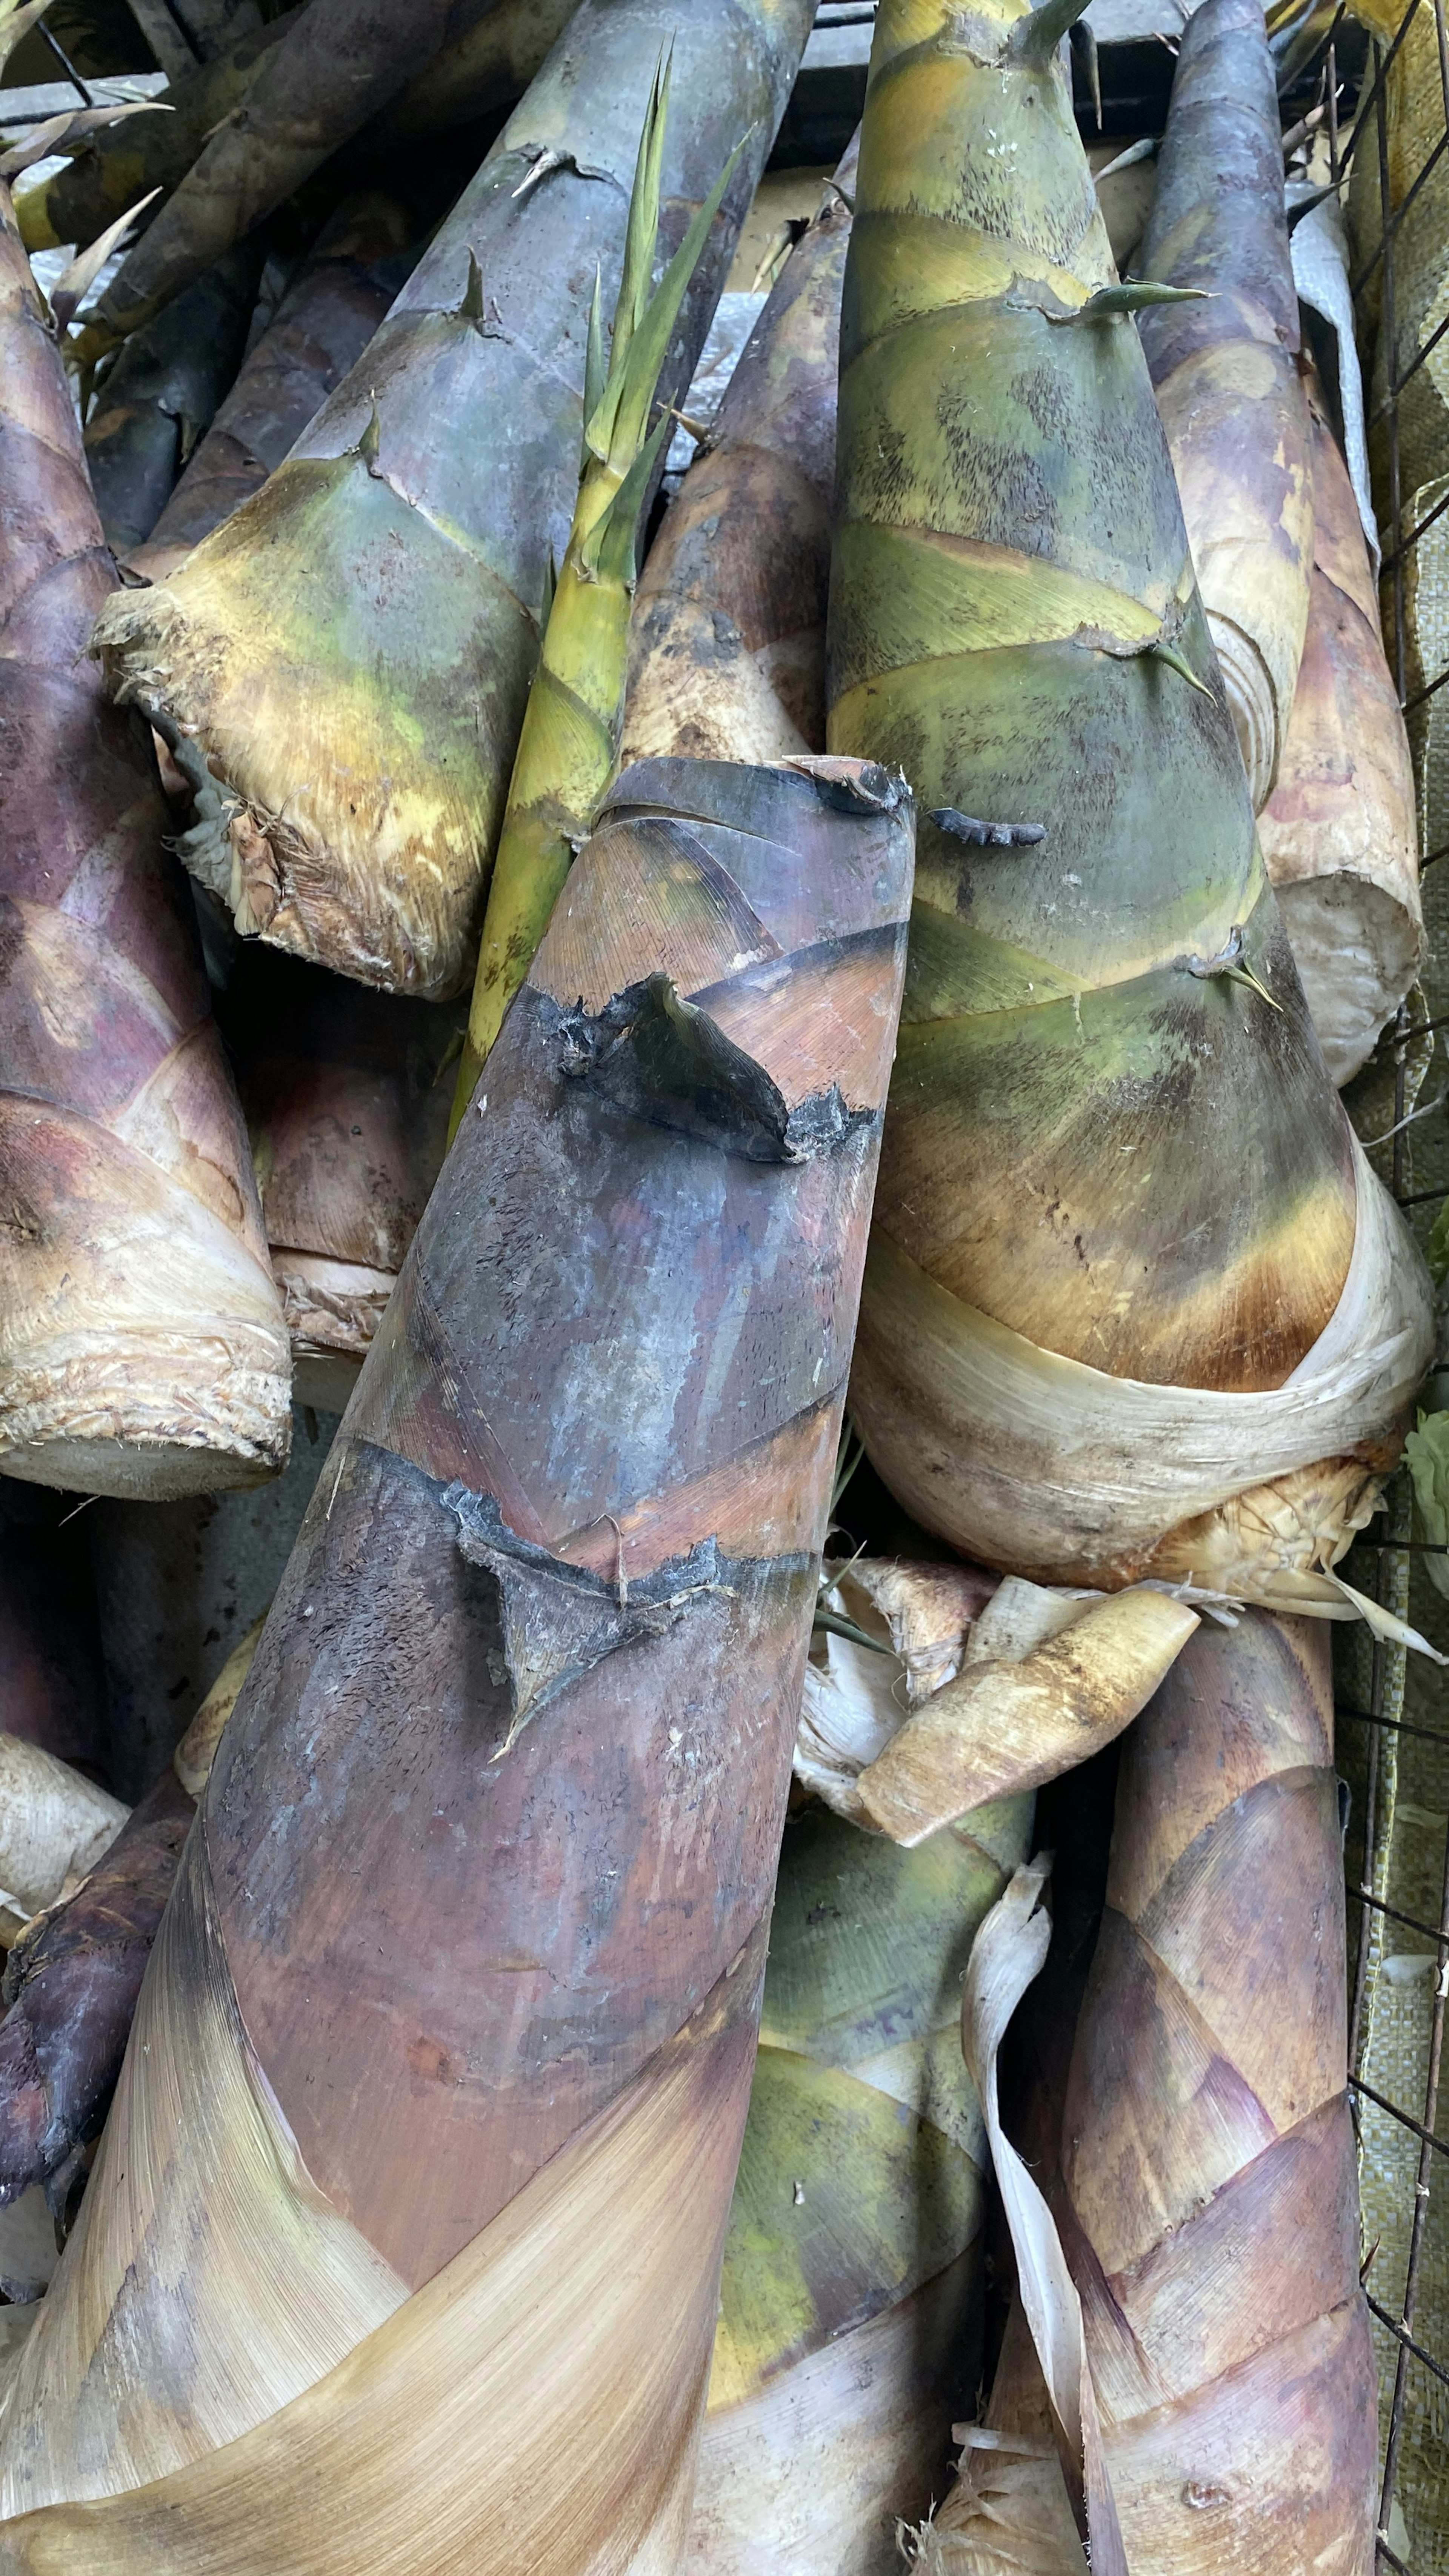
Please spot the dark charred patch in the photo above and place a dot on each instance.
(660, 1058)
(559, 1620)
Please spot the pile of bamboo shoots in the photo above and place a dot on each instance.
(584, 976)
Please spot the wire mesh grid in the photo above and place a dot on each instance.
(1394, 1710)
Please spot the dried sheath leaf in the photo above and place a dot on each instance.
(141, 1336)
(1005, 1726)
(530, 1973)
(410, 539)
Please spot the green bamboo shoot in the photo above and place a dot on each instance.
(570, 739)
(350, 654)
(1135, 1303)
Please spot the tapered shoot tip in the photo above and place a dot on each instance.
(369, 443)
(1175, 661)
(1035, 38)
(1132, 296)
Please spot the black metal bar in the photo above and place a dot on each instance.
(1440, 2145)
(1410, 1922)
(1398, 2331)
(1394, 1725)
(67, 66)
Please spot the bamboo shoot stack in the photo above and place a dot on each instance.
(142, 1349)
(727, 649)
(483, 65)
(483, 1868)
(1224, 369)
(1339, 832)
(362, 737)
(489, 56)
(1135, 1304)
(322, 325)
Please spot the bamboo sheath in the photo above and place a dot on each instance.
(118, 166)
(849, 2313)
(479, 1887)
(903, 1738)
(54, 1825)
(487, 59)
(363, 737)
(163, 392)
(346, 1098)
(141, 1342)
(323, 323)
(1207, 2151)
(1339, 832)
(335, 65)
(727, 643)
(72, 1979)
(1224, 370)
(1208, 2352)
(1135, 1304)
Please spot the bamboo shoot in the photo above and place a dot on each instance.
(727, 648)
(350, 654)
(322, 325)
(1135, 1303)
(489, 1843)
(1224, 370)
(1339, 833)
(1208, 2147)
(162, 393)
(72, 1979)
(142, 1349)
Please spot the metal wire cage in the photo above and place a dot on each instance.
(1378, 122)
